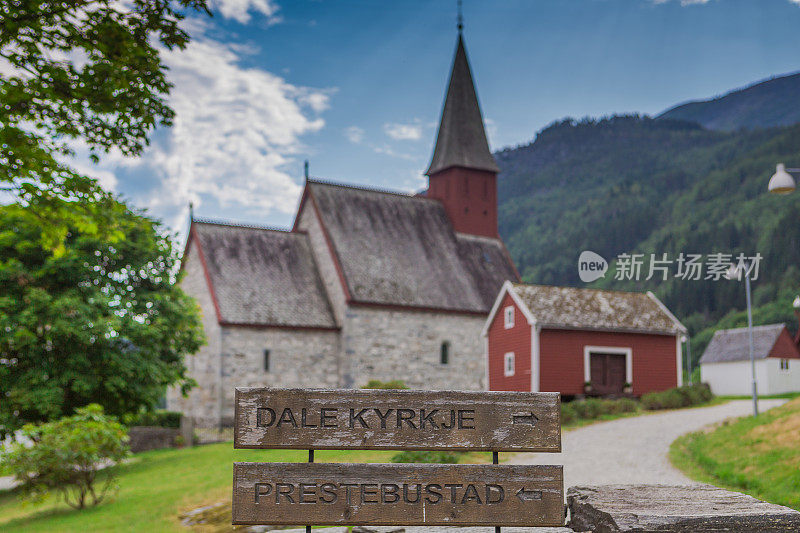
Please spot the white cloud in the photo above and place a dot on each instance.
(239, 10)
(235, 132)
(354, 134)
(403, 132)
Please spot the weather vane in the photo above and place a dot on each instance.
(460, 17)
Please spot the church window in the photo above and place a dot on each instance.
(785, 365)
(266, 360)
(444, 353)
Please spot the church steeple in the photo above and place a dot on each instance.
(463, 172)
(461, 141)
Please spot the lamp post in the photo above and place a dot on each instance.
(735, 272)
(688, 342)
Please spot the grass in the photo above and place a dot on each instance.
(758, 456)
(784, 396)
(156, 487)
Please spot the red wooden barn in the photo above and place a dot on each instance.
(577, 341)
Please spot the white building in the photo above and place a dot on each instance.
(725, 364)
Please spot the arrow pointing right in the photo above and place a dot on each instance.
(528, 495)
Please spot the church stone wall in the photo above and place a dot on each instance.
(297, 358)
(395, 344)
(202, 404)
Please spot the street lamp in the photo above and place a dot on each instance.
(688, 342)
(735, 272)
(782, 181)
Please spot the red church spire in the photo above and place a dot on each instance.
(463, 173)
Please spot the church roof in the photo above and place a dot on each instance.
(261, 276)
(579, 308)
(400, 250)
(461, 141)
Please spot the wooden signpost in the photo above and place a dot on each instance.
(397, 494)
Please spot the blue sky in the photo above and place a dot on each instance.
(356, 87)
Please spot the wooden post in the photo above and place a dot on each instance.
(496, 461)
(310, 452)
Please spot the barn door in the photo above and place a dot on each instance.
(607, 372)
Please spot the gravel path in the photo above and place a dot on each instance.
(633, 450)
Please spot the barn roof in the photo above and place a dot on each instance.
(461, 140)
(578, 308)
(733, 344)
(261, 276)
(397, 249)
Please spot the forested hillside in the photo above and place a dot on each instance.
(635, 184)
(774, 102)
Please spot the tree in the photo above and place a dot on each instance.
(103, 322)
(66, 456)
(85, 72)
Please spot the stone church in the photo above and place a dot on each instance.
(368, 284)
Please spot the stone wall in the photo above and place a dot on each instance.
(298, 358)
(393, 344)
(145, 438)
(203, 403)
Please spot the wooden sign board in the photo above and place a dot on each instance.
(397, 420)
(397, 494)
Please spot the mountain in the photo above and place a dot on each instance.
(633, 184)
(773, 102)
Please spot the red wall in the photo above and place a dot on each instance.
(469, 198)
(501, 341)
(784, 347)
(561, 359)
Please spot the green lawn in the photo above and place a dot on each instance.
(759, 456)
(156, 487)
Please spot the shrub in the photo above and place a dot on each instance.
(66, 455)
(427, 457)
(568, 414)
(588, 409)
(378, 384)
(676, 398)
(161, 418)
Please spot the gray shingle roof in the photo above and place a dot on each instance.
(262, 276)
(570, 307)
(734, 345)
(462, 139)
(396, 249)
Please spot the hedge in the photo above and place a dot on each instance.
(159, 417)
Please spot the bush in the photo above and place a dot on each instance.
(378, 384)
(568, 413)
(161, 418)
(685, 396)
(427, 457)
(65, 456)
(592, 408)
(588, 409)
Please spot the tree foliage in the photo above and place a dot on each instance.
(103, 322)
(65, 457)
(79, 73)
(630, 184)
